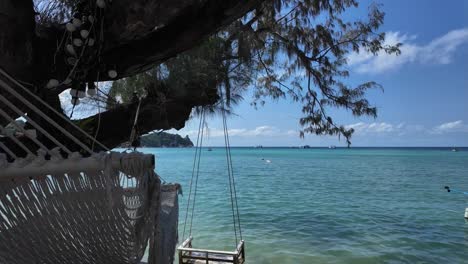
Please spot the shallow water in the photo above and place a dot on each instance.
(355, 205)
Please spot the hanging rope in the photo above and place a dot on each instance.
(195, 170)
(190, 209)
(232, 184)
(134, 136)
(99, 111)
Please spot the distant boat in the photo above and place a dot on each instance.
(454, 150)
(259, 146)
(332, 147)
(210, 149)
(306, 147)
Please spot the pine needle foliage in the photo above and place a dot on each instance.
(284, 49)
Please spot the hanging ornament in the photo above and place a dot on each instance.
(84, 18)
(52, 83)
(70, 27)
(71, 61)
(91, 18)
(75, 101)
(77, 42)
(112, 73)
(74, 92)
(70, 49)
(91, 89)
(91, 92)
(81, 94)
(76, 22)
(91, 42)
(101, 3)
(84, 33)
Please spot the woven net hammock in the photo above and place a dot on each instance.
(103, 207)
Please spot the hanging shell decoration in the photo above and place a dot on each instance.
(76, 22)
(52, 83)
(80, 46)
(101, 3)
(70, 27)
(84, 33)
(70, 49)
(112, 74)
(77, 42)
(91, 92)
(74, 92)
(75, 101)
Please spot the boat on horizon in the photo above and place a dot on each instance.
(332, 147)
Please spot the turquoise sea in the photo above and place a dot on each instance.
(358, 205)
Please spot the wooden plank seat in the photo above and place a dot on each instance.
(190, 255)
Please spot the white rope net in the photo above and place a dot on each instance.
(103, 212)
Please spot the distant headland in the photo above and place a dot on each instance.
(165, 140)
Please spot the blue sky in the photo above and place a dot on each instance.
(425, 102)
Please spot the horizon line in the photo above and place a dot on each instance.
(294, 146)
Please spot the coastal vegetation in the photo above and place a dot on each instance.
(163, 139)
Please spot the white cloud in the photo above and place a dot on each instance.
(441, 50)
(362, 131)
(438, 51)
(455, 126)
(269, 131)
(366, 128)
(401, 129)
(383, 128)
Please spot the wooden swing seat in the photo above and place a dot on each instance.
(189, 255)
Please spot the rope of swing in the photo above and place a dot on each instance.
(190, 208)
(195, 173)
(232, 183)
(197, 170)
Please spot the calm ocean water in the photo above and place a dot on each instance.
(382, 205)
